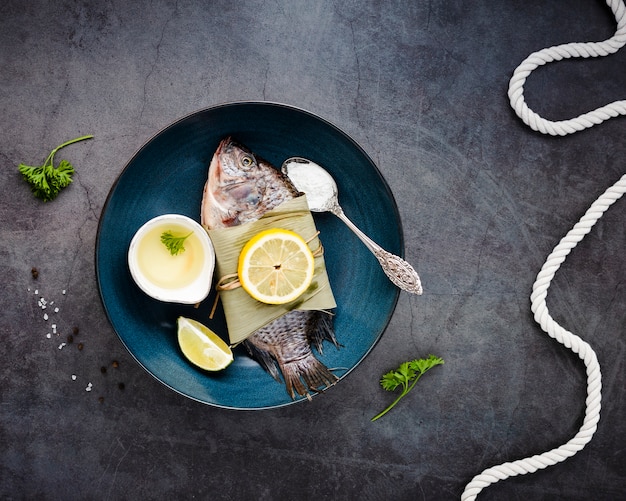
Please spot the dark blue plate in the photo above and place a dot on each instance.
(167, 175)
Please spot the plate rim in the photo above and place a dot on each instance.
(169, 126)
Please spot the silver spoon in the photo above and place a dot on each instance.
(322, 196)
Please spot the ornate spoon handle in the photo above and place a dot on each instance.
(397, 269)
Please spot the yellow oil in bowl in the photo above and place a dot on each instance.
(163, 268)
(183, 277)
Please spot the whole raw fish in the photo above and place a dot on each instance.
(241, 187)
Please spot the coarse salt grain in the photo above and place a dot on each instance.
(63, 292)
(48, 335)
(56, 310)
(61, 346)
(36, 291)
(73, 377)
(54, 328)
(45, 316)
(89, 385)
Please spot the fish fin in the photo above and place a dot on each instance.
(264, 358)
(306, 374)
(322, 329)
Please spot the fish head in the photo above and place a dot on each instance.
(240, 186)
(233, 164)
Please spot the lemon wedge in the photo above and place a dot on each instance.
(276, 266)
(201, 346)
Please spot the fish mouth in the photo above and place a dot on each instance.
(225, 145)
(225, 141)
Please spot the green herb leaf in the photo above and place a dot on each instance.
(173, 243)
(423, 364)
(390, 381)
(63, 175)
(46, 181)
(406, 375)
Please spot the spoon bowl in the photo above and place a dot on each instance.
(310, 178)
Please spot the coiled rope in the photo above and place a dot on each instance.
(558, 255)
(566, 51)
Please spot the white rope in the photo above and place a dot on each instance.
(566, 51)
(571, 341)
(558, 255)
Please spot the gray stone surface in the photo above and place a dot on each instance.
(483, 200)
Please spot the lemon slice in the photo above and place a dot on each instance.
(276, 266)
(202, 346)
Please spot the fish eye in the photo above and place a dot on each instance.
(247, 161)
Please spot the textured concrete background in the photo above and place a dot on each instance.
(483, 200)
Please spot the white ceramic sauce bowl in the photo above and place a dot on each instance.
(182, 278)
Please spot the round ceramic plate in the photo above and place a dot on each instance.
(167, 175)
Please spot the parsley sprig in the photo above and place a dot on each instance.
(174, 244)
(406, 376)
(46, 181)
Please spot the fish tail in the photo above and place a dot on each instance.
(322, 330)
(306, 373)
